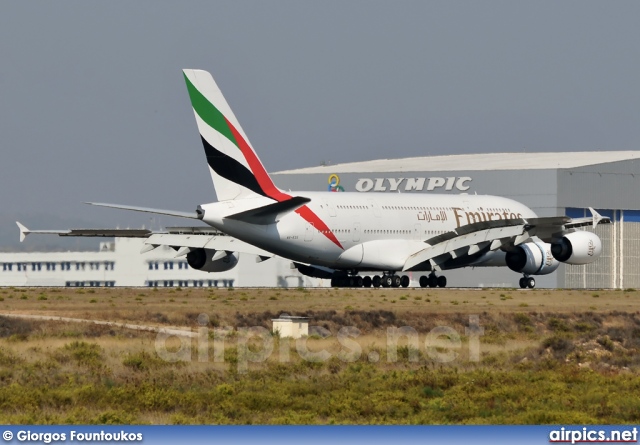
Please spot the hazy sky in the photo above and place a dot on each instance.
(93, 106)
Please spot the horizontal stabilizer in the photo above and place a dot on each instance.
(179, 214)
(270, 213)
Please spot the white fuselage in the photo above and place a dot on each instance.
(376, 231)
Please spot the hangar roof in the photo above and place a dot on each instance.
(485, 161)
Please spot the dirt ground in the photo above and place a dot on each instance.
(181, 307)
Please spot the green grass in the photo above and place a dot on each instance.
(536, 366)
(81, 391)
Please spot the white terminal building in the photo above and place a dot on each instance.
(549, 183)
(120, 263)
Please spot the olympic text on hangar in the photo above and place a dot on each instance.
(433, 183)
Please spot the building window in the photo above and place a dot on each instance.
(168, 283)
(7, 266)
(36, 266)
(51, 266)
(153, 265)
(80, 266)
(168, 265)
(152, 283)
(108, 265)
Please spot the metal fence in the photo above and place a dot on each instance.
(618, 266)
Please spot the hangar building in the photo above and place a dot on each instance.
(550, 184)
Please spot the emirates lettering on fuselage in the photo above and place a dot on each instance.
(416, 184)
(463, 217)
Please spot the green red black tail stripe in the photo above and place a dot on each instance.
(230, 169)
(256, 177)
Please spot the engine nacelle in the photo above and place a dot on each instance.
(534, 258)
(203, 259)
(577, 248)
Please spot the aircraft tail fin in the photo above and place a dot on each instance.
(235, 168)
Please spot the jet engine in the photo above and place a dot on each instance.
(210, 260)
(533, 258)
(577, 248)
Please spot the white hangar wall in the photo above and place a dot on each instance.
(549, 183)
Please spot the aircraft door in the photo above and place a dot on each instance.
(308, 234)
(330, 207)
(374, 206)
(356, 232)
(417, 232)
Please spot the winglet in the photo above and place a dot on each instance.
(23, 231)
(596, 217)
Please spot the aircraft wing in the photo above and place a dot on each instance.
(176, 213)
(494, 235)
(182, 239)
(186, 242)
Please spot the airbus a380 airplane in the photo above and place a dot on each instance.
(340, 235)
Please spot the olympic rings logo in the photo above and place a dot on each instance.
(334, 183)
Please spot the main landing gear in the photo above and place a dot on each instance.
(527, 282)
(390, 280)
(387, 280)
(347, 281)
(433, 281)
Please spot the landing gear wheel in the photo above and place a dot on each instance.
(424, 281)
(404, 281)
(359, 281)
(523, 283)
(442, 281)
(432, 281)
(376, 281)
(396, 281)
(387, 281)
(366, 282)
(351, 282)
(531, 282)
